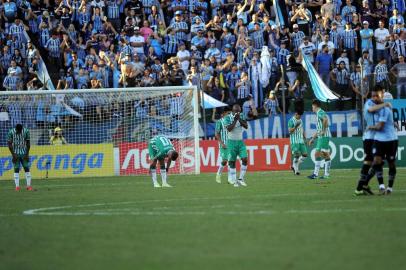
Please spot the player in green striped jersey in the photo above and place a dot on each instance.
(221, 135)
(323, 138)
(160, 148)
(18, 140)
(235, 122)
(297, 141)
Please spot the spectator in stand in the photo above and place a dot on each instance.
(324, 64)
(340, 77)
(399, 71)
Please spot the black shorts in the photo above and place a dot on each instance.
(386, 150)
(368, 150)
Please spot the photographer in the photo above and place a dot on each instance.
(57, 138)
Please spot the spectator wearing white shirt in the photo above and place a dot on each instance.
(381, 35)
(307, 48)
(344, 58)
(184, 57)
(326, 41)
(198, 25)
(137, 42)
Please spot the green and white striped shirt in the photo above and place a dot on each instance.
(222, 130)
(321, 133)
(297, 136)
(236, 133)
(19, 141)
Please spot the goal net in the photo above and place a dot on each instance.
(100, 132)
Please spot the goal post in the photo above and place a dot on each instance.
(101, 132)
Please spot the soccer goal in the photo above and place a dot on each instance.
(100, 132)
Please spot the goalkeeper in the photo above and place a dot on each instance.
(160, 148)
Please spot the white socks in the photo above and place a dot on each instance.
(220, 170)
(233, 174)
(243, 170)
(17, 179)
(327, 166)
(28, 178)
(153, 173)
(317, 167)
(163, 175)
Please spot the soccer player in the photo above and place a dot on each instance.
(386, 144)
(235, 122)
(160, 148)
(371, 108)
(221, 136)
(297, 140)
(18, 140)
(323, 138)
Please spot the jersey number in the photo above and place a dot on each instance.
(165, 141)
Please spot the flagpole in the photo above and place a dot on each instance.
(283, 88)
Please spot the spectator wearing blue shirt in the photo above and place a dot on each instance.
(199, 41)
(324, 63)
(10, 11)
(366, 39)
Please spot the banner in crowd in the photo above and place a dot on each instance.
(75, 160)
(347, 153)
(320, 89)
(262, 155)
(399, 114)
(343, 124)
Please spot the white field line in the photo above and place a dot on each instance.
(146, 182)
(167, 210)
(232, 213)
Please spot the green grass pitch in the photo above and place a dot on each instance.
(280, 221)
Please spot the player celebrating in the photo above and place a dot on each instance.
(297, 140)
(19, 145)
(159, 148)
(235, 144)
(371, 107)
(386, 144)
(323, 138)
(221, 136)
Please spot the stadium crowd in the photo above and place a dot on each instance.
(216, 45)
